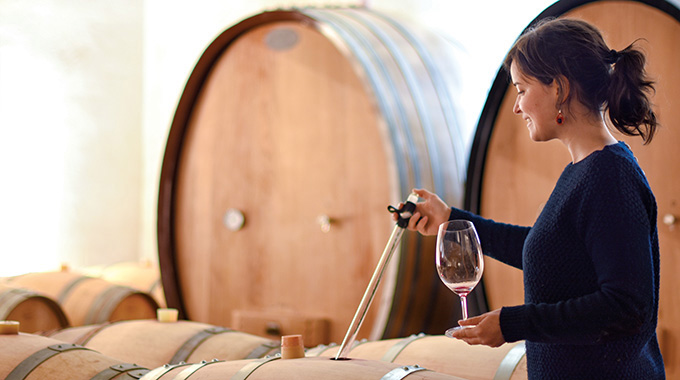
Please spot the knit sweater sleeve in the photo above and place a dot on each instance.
(615, 219)
(501, 241)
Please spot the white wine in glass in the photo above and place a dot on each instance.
(460, 261)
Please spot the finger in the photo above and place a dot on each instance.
(469, 335)
(422, 224)
(422, 193)
(464, 334)
(473, 341)
(413, 220)
(458, 334)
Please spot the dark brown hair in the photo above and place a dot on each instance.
(602, 79)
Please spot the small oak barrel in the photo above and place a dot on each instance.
(87, 300)
(295, 131)
(151, 343)
(510, 177)
(34, 357)
(442, 354)
(275, 368)
(144, 276)
(34, 310)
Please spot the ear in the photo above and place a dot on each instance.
(562, 87)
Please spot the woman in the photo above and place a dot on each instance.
(591, 259)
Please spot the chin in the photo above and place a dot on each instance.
(533, 136)
(538, 138)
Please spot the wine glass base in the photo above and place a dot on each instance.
(450, 331)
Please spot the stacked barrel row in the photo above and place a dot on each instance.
(151, 349)
(44, 301)
(112, 342)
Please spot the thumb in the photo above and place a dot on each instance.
(471, 321)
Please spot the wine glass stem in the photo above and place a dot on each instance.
(463, 306)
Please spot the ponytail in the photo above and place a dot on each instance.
(627, 98)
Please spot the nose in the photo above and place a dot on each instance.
(515, 108)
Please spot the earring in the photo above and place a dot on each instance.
(560, 118)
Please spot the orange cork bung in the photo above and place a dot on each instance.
(292, 347)
(9, 327)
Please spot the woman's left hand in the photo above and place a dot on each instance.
(486, 330)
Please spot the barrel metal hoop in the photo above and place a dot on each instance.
(11, 298)
(264, 349)
(131, 370)
(510, 361)
(193, 368)
(394, 351)
(385, 90)
(416, 90)
(69, 288)
(137, 374)
(105, 304)
(249, 368)
(192, 343)
(159, 372)
(401, 372)
(23, 369)
(429, 62)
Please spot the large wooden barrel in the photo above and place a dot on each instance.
(511, 177)
(442, 354)
(274, 368)
(151, 343)
(35, 311)
(34, 357)
(295, 131)
(88, 300)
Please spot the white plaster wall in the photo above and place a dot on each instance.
(88, 90)
(70, 132)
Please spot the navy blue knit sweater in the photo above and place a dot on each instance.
(591, 273)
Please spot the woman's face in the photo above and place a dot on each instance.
(536, 104)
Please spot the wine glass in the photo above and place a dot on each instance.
(460, 261)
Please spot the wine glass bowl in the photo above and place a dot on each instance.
(460, 261)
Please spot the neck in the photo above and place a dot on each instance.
(582, 139)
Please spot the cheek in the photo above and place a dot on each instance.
(534, 107)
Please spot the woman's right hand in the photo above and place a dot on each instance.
(429, 213)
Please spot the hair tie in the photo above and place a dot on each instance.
(612, 57)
